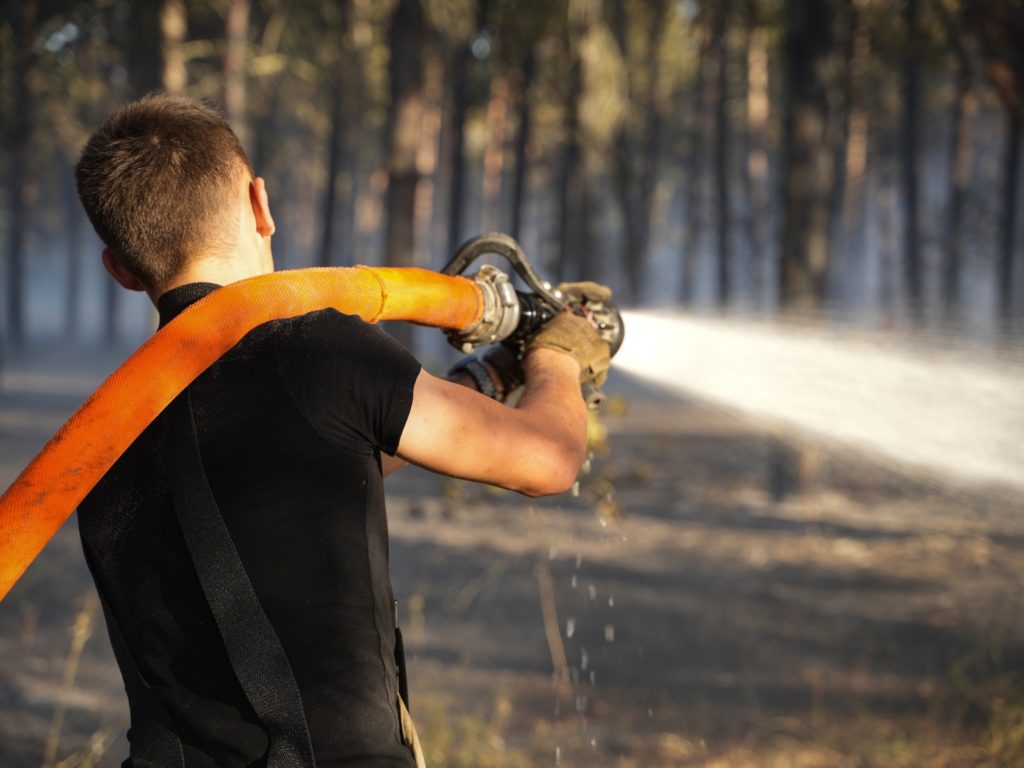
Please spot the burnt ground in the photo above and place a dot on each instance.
(874, 618)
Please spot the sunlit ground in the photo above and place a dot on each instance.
(732, 587)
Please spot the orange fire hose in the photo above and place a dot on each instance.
(50, 488)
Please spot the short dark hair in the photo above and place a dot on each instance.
(156, 179)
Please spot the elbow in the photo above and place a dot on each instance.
(556, 468)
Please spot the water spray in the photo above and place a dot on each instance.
(954, 414)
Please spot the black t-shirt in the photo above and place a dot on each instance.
(290, 425)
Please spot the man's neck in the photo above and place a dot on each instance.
(221, 270)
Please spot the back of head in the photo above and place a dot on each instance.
(159, 180)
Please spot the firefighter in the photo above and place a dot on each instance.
(240, 546)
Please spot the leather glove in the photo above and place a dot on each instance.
(575, 335)
(577, 293)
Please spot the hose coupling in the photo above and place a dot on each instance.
(500, 315)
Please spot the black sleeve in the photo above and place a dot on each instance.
(350, 379)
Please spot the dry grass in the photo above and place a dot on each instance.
(471, 740)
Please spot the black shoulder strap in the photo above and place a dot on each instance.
(153, 739)
(254, 649)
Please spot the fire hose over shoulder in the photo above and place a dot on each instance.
(479, 310)
(50, 488)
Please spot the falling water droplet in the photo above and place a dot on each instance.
(591, 592)
(575, 490)
(611, 602)
(574, 582)
(609, 633)
(579, 561)
(558, 755)
(570, 627)
(584, 659)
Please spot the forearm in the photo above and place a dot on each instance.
(551, 396)
(535, 448)
(552, 400)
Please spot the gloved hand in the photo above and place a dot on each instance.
(577, 293)
(575, 335)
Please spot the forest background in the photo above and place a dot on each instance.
(724, 591)
(852, 156)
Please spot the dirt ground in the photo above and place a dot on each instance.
(674, 613)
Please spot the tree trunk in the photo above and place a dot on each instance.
(806, 172)
(456, 190)
(1011, 184)
(73, 216)
(334, 160)
(494, 152)
(463, 62)
(960, 151)
(427, 158)
(236, 32)
(840, 135)
(624, 175)
(638, 145)
(144, 46)
(755, 167)
(173, 29)
(522, 143)
(807, 167)
(721, 152)
(911, 113)
(19, 144)
(337, 134)
(694, 176)
(585, 265)
(568, 181)
(404, 124)
(855, 152)
(651, 169)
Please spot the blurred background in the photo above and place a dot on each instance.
(800, 542)
(748, 155)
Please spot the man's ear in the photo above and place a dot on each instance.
(125, 278)
(261, 207)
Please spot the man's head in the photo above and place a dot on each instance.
(167, 186)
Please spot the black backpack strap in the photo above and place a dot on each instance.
(403, 678)
(253, 647)
(153, 739)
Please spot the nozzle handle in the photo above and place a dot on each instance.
(502, 245)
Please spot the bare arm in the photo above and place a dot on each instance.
(535, 448)
(391, 464)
